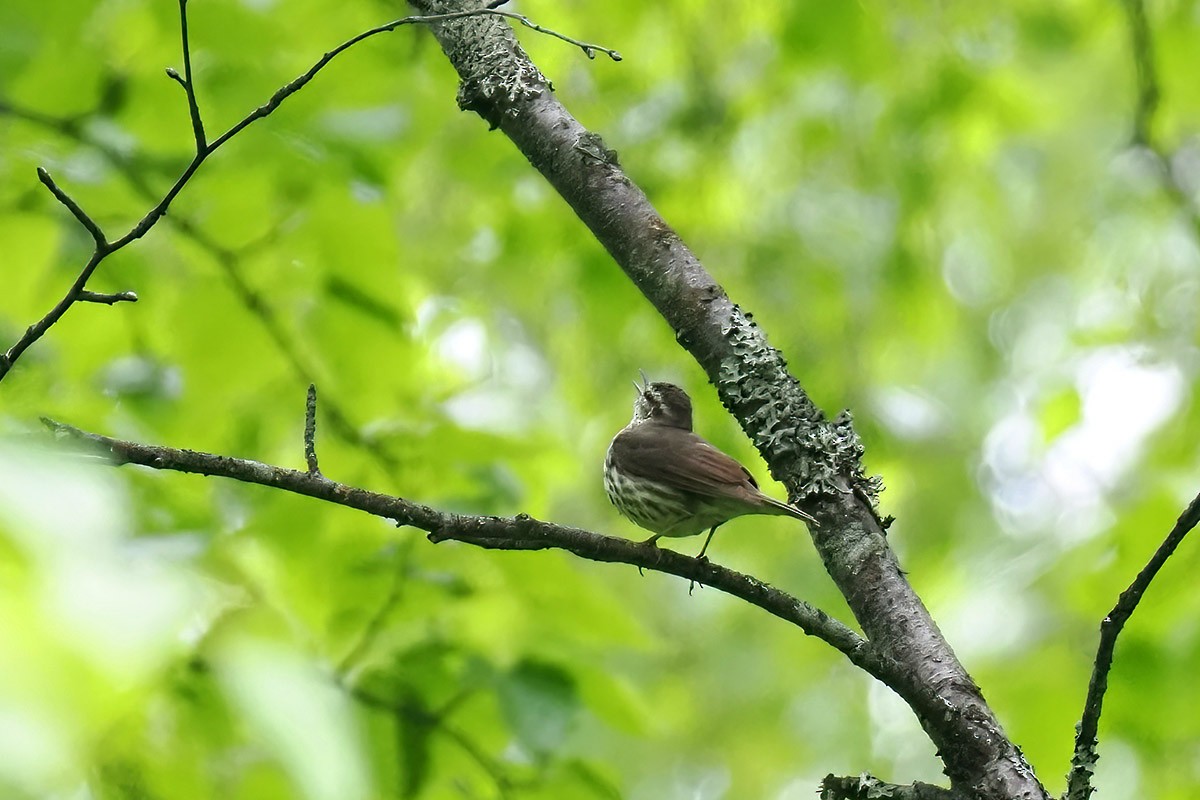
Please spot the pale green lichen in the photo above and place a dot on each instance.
(824, 455)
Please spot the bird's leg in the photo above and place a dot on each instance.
(651, 542)
(700, 558)
(704, 549)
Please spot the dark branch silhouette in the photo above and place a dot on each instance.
(107, 298)
(1083, 762)
(204, 149)
(495, 533)
(230, 263)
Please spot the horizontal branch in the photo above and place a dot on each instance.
(863, 787)
(521, 532)
(107, 298)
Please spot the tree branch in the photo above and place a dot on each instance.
(1083, 762)
(310, 431)
(1146, 103)
(495, 533)
(204, 150)
(80, 215)
(230, 263)
(107, 298)
(188, 84)
(818, 459)
(866, 787)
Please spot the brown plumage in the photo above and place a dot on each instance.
(668, 480)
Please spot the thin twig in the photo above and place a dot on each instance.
(258, 305)
(298, 83)
(589, 50)
(107, 298)
(1083, 762)
(174, 75)
(310, 431)
(204, 150)
(39, 328)
(189, 85)
(87, 222)
(517, 533)
(229, 262)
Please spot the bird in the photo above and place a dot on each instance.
(670, 481)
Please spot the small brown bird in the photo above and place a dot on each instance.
(670, 481)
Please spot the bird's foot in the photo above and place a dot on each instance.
(651, 543)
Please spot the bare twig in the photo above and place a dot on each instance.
(310, 431)
(174, 75)
(288, 89)
(1083, 762)
(189, 85)
(205, 149)
(229, 261)
(87, 222)
(496, 533)
(589, 50)
(38, 329)
(107, 298)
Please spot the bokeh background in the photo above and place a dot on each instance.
(944, 216)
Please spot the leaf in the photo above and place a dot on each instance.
(540, 703)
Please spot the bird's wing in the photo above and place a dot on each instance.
(682, 460)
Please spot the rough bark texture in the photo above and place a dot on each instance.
(817, 459)
(517, 533)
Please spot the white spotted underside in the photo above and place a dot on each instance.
(662, 509)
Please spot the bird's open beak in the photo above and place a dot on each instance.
(645, 382)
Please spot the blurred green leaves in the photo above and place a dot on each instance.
(540, 703)
(933, 211)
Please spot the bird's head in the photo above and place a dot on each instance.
(662, 404)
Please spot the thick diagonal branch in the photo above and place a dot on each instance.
(818, 459)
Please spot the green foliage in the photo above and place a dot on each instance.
(934, 212)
